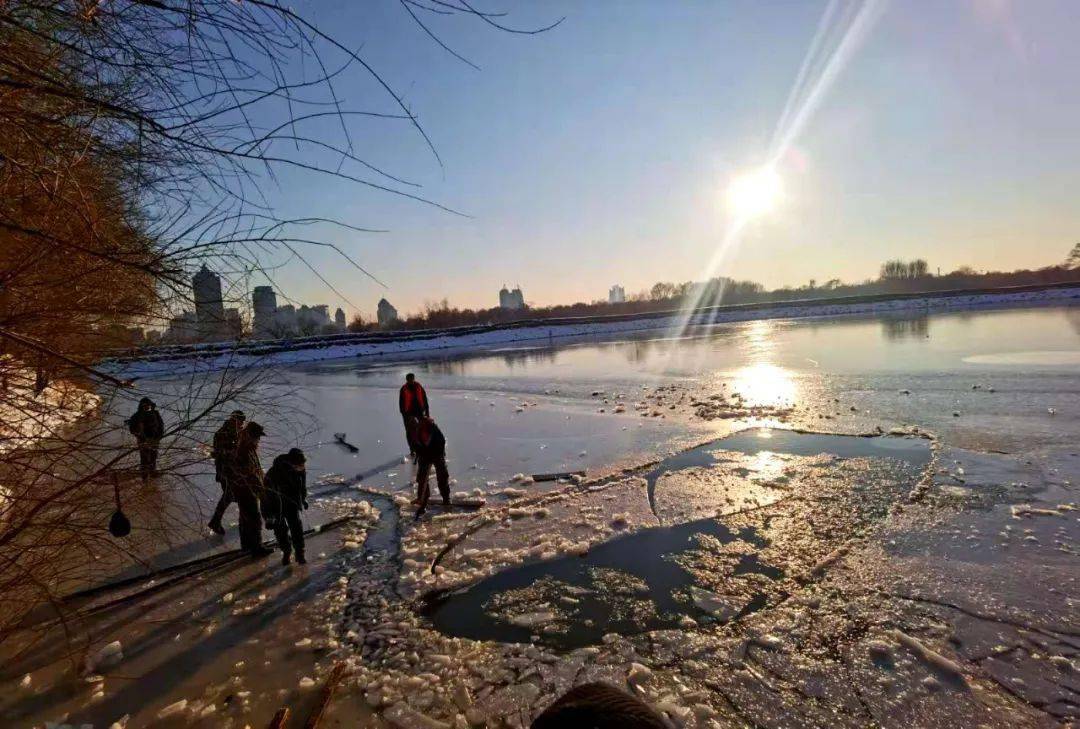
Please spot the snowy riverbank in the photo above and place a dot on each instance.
(481, 338)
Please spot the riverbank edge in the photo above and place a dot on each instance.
(468, 339)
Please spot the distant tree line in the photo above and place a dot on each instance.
(896, 276)
(898, 270)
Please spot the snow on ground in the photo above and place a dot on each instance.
(26, 418)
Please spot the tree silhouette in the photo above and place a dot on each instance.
(1073, 259)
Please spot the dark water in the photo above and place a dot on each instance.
(602, 596)
(385, 534)
(637, 583)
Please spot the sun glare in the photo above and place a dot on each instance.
(765, 385)
(754, 194)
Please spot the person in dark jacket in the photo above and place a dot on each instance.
(430, 451)
(284, 496)
(224, 451)
(412, 403)
(148, 428)
(245, 476)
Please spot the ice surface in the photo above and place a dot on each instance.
(789, 608)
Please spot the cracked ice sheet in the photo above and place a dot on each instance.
(808, 656)
(556, 525)
(996, 590)
(736, 483)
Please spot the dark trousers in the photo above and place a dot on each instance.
(223, 503)
(410, 432)
(148, 450)
(288, 525)
(250, 521)
(442, 476)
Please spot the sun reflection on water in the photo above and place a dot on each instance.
(766, 466)
(765, 385)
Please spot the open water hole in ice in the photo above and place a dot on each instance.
(635, 583)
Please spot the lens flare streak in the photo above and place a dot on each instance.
(850, 22)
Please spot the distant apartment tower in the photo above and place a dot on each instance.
(339, 319)
(386, 313)
(209, 307)
(511, 299)
(616, 294)
(263, 307)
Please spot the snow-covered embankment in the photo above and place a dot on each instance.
(414, 345)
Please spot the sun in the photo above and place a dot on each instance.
(754, 194)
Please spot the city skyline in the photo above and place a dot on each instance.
(946, 133)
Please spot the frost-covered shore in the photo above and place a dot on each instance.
(415, 345)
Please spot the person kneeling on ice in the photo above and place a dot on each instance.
(284, 496)
(430, 451)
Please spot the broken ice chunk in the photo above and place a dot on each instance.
(722, 607)
(171, 709)
(531, 620)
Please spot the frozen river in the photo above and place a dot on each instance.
(714, 561)
(1022, 362)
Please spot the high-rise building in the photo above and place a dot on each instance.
(511, 299)
(263, 308)
(616, 294)
(386, 313)
(339, 319)
(209, 306)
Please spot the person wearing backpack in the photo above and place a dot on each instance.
(148, 428)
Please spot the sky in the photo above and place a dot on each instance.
(599, 152)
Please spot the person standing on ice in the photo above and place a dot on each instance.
(284, 496)
(246, 480)
(148, 428)
(224, 451)
(413, 404)
(430, 451)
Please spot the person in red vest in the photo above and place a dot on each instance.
(413, 404)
